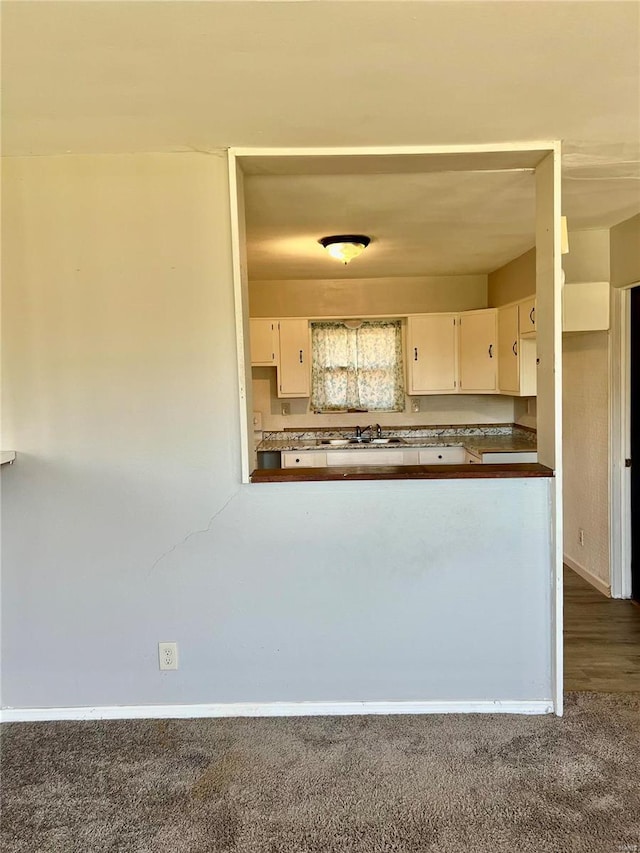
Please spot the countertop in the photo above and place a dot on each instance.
(401, 472)
(475, 439)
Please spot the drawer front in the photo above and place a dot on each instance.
(303, 459)
(365, 457)
(442, 456)
(510, 458)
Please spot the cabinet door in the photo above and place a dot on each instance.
(294, 374)
(349, 458)
(479, 351)
(508, 365)
(432, 354)
(527, 316)
(264, 342)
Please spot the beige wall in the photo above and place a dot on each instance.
(515, 280)
(588, 256)
(445, 409)
(124, 521)
(366, 296)
(625, 252)
(586, 451)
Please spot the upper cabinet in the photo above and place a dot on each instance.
(478, 351)
(264, 342)
(527, 316)
(294, 367)
(517, 354)
(432, 354)
(508, 365)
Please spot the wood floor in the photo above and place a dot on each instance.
(601, 640)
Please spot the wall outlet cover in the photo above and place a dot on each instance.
(415, 405)
(168, 655)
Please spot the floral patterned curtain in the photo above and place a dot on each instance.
(357, 368)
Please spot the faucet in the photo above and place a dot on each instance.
(361, 430)
(378, 429)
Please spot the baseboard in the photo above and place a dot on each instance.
(594, 580)
(273, 709)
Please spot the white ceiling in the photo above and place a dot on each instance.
(177, 76)
(419, 224)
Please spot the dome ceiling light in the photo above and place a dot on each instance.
(345, 247)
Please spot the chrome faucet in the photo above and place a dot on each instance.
(361, 430)
(378, 431)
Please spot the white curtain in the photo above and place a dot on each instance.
(357, 368)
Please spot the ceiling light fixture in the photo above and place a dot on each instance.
(345, 247)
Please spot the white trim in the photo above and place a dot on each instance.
(274, 709)
(620, 445)
(244, 388)
(542, 145)
(594, 580)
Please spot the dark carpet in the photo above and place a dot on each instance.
(469, 784)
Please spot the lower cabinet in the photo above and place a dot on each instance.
(441, 456)
(510, 458)
(352, 458)
(396, 456)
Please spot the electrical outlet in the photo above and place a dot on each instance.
(286, 408)
(168, 655)
(580, 536)
(415, 405)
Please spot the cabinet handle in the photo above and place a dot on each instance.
(515, 348)
(415, 353)
(300, 356)
(532, 315)
(490, 350)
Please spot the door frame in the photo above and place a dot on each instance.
(620, 441)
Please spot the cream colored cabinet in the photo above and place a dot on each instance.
(508, 339)
(432, 354)
(527, 317)
(478, 351)
(303, 459)
(264, 342)
(516, 355)
(442, 456)
(294, 365)
(350, 458)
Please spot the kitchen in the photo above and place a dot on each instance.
(468, 351)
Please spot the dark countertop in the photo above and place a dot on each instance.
(401, 472)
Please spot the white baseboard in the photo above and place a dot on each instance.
(594, 580)
(273, 709)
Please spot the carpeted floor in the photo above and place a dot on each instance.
(463, 784)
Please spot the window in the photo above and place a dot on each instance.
(357, 366)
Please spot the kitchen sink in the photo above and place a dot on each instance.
(341, 442)
(376, 440)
